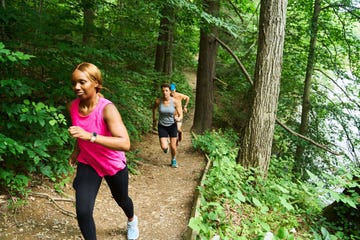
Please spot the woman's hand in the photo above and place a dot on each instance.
(73, 157)
(78, 132)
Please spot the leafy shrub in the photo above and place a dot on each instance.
(33, 133)
(237, 203)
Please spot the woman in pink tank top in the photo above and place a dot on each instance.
(101, 143)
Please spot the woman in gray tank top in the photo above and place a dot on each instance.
(167, 107)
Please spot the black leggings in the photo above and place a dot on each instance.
(86, 184)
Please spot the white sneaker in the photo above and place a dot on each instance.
(132, 229)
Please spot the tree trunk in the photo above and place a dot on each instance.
(2, 26)
(300, 163)
(206, 73)
(164, 50)
(255, 149)
(89, 18)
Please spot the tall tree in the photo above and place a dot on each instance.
(164, 49)
(2, 26)
(89, 20)
(306, 105)
(255, 149)
(206, 71)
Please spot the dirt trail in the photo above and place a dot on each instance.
(163, 199)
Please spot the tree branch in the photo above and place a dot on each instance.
(306, 138)
(53, 200)
(342, 90)
(242, 68)
(349, 9)
(236, 11)
(350, 142)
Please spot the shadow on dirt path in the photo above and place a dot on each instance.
(163, 198)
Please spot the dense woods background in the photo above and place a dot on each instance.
(299, 68)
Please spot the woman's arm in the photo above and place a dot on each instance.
(118, 141)
(120, 138)
(155, 106)
(178, 109)
(75, 153)
(187, 99)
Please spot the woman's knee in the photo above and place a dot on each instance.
(84, 213)
(164, 143)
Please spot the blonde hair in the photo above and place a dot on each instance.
(93, 73)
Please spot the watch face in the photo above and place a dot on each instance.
(93, 137)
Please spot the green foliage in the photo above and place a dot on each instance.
(237, 203)
(331, 185)
(9, 56)
(59, 186)
(132, 159)
(33, 133)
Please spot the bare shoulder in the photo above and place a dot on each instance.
(182, 96)
(110, 111)
(177, 101)
(185, 96)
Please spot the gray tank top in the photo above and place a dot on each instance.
(166, 113)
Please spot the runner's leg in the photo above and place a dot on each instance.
(86, 185)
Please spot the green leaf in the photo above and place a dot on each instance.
(291, 237)
(282, 189)
(46, 170)
(282, 233)
(287, 205)
(256, 202)
(349, 201)
(39, 106)
(195, 224)
(42, 122)
(12, 58)
(325, 234)
(239, 197)
(52, 122)
(265, 226)
(264, 209)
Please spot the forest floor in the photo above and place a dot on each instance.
(163, 198)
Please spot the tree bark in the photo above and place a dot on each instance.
(206, 72)
(2, 26)
(89, 18)
(164, 48)
(300, 163)
(255, 149)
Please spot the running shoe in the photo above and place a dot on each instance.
(133, 229)
(173, 163)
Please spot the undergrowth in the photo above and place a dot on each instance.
(237, 203)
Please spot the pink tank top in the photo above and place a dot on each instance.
(103, 160)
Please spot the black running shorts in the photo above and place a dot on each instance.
(167, 131)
